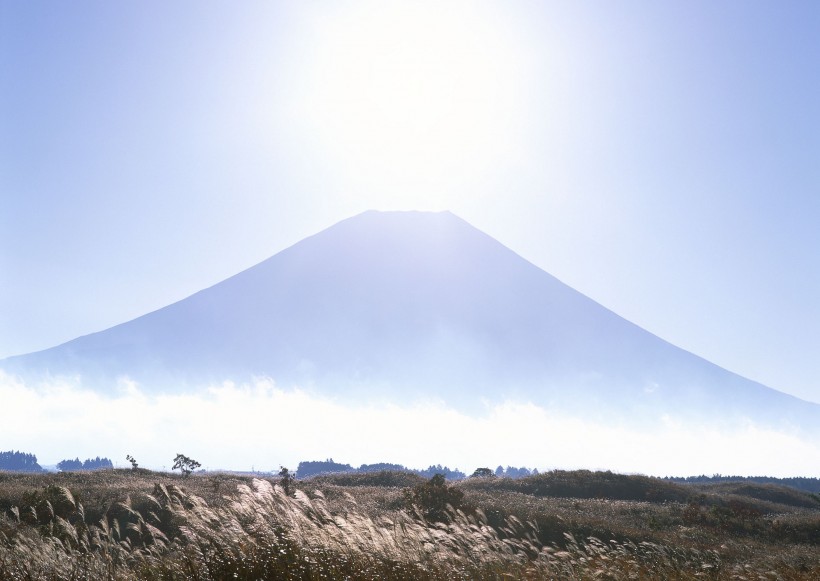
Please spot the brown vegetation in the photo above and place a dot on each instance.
(122, 525)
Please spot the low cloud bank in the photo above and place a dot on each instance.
(259, 426)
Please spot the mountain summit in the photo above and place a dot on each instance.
(398, 305)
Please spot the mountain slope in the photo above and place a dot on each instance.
(400, 304)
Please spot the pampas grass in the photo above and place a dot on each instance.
(157, 527)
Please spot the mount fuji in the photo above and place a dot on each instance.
(397, 306)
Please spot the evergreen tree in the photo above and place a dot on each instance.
(88, 464)
(19, 462)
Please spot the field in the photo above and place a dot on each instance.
(136, 524)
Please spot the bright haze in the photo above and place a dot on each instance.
(661, 160)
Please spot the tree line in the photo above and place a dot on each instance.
(307, 469)
(89, 464)
(14, 461)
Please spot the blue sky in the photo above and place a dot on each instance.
(660, 158)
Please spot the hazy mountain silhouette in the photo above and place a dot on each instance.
(397, 305)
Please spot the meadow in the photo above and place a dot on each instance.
(136, 524)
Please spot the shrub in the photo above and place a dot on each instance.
(434, 498)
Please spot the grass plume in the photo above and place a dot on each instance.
(124, 525)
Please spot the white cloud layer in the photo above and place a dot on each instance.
(260, 426)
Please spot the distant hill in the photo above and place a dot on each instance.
(800, 483)
(394, 306)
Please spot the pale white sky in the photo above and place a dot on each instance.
(660, 158)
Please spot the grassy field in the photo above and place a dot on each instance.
(124, 524)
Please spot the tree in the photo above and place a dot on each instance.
(89, 464)
(482, 473)
(131, 459)
(97, 463)
(287, 479)
(306, 469)
(19, 462)
(185, 465)
(70, 465)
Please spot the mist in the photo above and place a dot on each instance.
(257, 425)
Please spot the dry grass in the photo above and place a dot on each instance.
(122, 525)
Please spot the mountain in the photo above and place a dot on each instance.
(400, 305)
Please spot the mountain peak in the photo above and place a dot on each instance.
(400, 305)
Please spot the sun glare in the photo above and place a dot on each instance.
(413, 98)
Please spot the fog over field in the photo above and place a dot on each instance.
(257, 425)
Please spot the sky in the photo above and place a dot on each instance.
(661, 158)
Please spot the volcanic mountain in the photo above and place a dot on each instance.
(402, 305)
